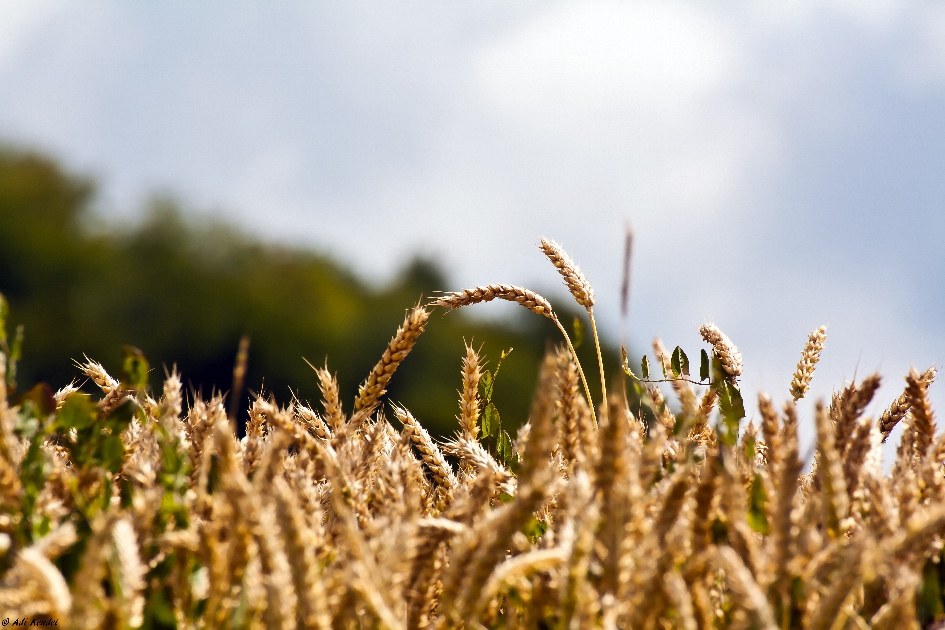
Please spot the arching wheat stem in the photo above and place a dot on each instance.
(600, 359)
(587, 390)
(530, 300)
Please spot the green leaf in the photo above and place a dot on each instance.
(625, 363)
(134, 369)
(112, 452)
(645, 367)
(730, 402)
(120, 417)
(32, 475)
(749, 444)
(38, 402)
(16, 348)
(158, 612)
(25, 424)
(4, 313)
(504, 448)
(78, 412)
(732, 409)
(490, 421)
(704, 366)
(578, 332)
(680, 363)
(757, 516)
(485, 385)
(16, 351)
(535, 529)
(929, 604)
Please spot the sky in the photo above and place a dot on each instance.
(781, 163)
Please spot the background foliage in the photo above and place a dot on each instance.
(185, 292)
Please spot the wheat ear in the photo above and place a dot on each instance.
(397, 350)
(131, 572)
(900, 407)
(847, 406)
(582, 291)
(469, 397)
(331, 401)
(809, 358)
(924, 420)
(830, 473)
(724, 349)
(429, 451)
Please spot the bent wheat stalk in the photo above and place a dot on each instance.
(520, 295)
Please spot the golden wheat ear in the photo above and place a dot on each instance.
(804, 372)
(923, 418)
(397, 350)
(583, 294)
(569, 439)
(469, 396)
(430, 453)
(723, 348)
(848, 405)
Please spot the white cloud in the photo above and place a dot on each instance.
(577, 61)
(19, 21)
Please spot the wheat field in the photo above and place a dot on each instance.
(610, 509)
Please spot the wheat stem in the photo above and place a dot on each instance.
(600, 360)
(587, 390)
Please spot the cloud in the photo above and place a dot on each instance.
(19, 22)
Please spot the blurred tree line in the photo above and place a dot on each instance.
(185, 293)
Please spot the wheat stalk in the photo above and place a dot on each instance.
(582, 292)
